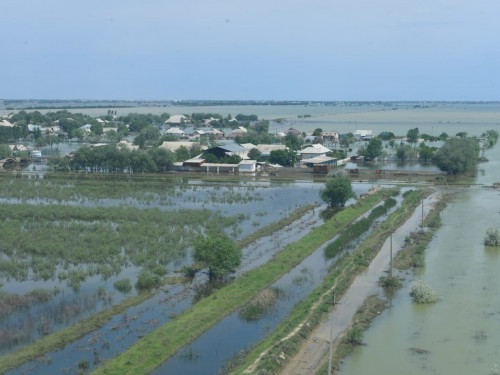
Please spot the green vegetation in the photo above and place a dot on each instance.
(492, 237)
(259, 305)
(412, 135)
(458, 155)
(421, 292)
(491, 138)
(272, 353)
(372, 150)
(357, 229)
(337, 191)
(162, 343)
(123, 285)
(60, 339)
(218, 253)
(73, 242)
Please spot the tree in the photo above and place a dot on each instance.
(254, 154)
(218, 253)
(412, 135)
(285, 158)
(458, 155)
(462, 134)
(317, 132)
(5, 151)
(374, 149)
(425, 152)
(292, 141)
(405, 152)
(443, 136)
(337, 191)
(386, 136)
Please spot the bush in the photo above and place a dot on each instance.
(354, 337)
(147, 280)
(389, 282)
(123, 285)
(492, 237)
(421, 292)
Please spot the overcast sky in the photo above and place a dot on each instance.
(250, 49)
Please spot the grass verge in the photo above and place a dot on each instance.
(58, 340)
(152, 350)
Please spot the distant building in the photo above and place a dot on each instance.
(363, 135)
(176, 120)
(330, 136)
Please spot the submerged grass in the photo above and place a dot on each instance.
(58, 340)
(152, 350)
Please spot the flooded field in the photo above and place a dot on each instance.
(460, 334)
(257, 204)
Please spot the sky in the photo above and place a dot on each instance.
(250, 49)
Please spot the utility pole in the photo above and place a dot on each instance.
(390, 269)
(422, 213)
(331, 338)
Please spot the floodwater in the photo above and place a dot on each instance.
(125, 329)
(209, 352)
(460, 334)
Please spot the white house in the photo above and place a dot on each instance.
(247, 166)
(314, 151)
(176, 120)
(176, 132)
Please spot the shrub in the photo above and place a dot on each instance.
(354, 337)
(492, 237)
(123, 285)
(147, 280)
(421, 292)
(389, 282)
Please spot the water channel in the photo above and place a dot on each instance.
(460, 334)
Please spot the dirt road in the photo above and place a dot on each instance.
(316, 348)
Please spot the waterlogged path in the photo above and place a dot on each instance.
(309, 357)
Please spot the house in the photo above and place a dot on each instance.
(331, 137)
(320, 160)
(176, 120)
(127, 145)
(174, 146)
(228, 149)
(175, 132)
(363, 135)
(86, 128)
(239, 131)
(6, 123)
(247, 166)
(265, 150)
(313, 151)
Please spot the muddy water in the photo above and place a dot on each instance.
(461, 333)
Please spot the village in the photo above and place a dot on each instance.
(206, 143)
